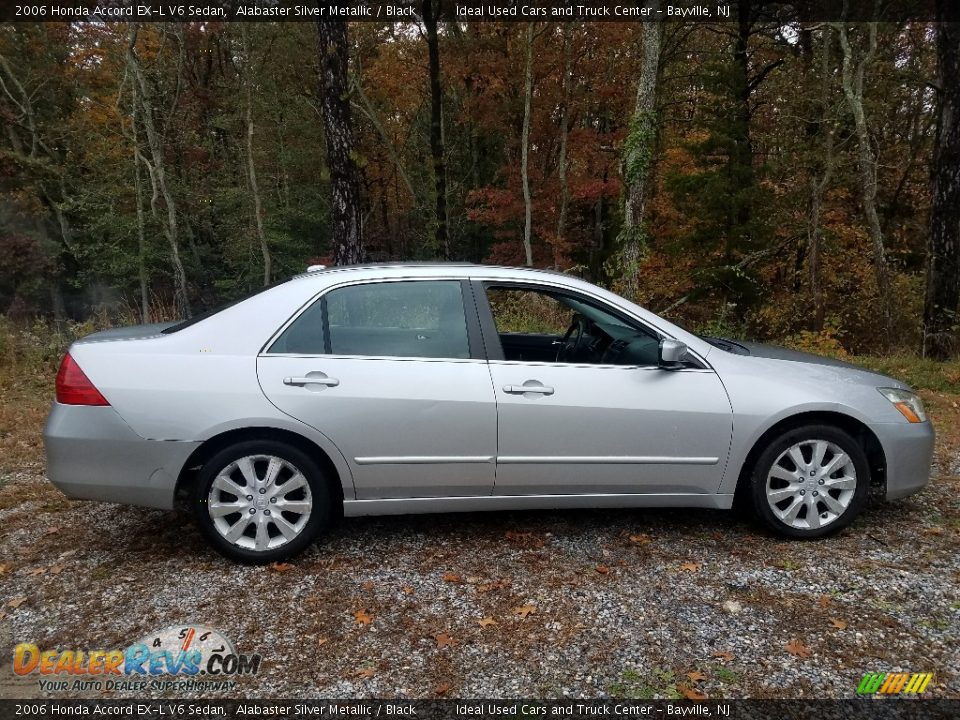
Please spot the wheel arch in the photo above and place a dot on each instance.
(854, 427)
(211, 446)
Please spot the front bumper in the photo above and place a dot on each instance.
(92, 454)
(908, 448)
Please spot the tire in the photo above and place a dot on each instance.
(799, 497)
(279, 519)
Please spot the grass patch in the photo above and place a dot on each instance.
(662, 683)
(724, 674)
(920, 373)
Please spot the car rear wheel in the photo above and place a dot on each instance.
(810, 482)
(261, 501)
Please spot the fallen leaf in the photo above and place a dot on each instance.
(933, 531)
(68, 553)
(525, 610)
(824, 601)
(838, 623)
(407, 589)
(322, 641)
(127, 578)
(690, 694)
(451, 577)
(602, 569)
(443, 639)
(487, 622)
(362, 617)
(724, 655)
(690, 566)
(37, 571)
(4, 569)
(364, 673)
(441, 689)
(17, 602)
(280, 567)
(640, 539)
(696, 676)
(56, 569)
(53, 530)
(798, 649)
(368, 585)
(495, 585)
(473, 580)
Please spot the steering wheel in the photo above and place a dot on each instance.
(573, 338)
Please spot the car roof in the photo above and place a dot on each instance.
(429, 268)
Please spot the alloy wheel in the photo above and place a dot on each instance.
(259, 502)
(811, 484)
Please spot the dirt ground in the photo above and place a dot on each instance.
(586, 604)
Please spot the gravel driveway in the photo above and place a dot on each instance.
(630, 603)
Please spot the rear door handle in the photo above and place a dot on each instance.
(311, 380)
(521, 389)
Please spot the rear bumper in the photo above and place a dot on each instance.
(908, 448)
(92, 454)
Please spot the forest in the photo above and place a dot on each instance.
(765, 177)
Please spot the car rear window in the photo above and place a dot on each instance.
(416, 318)
(199, 317)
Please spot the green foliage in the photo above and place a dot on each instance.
(638, 147)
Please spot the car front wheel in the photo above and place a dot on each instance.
(810, 482)
(261, 501)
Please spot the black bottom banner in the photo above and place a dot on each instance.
(865, 709)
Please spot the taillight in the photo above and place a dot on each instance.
(74, 387)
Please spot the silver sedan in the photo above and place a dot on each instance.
(433, 388)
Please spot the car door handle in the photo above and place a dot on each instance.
(301, 381)
(521, 389)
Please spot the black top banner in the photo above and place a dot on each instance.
(479, 11)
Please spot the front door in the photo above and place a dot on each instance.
(389, 372)
(599, 416)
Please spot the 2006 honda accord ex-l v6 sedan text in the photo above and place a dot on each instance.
(432, 388)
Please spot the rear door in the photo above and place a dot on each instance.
(393, 373)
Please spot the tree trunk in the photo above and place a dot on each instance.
(251, 167)
(158, 175)
(741, 155)
(638, 158)
(141, 234)
(525, 149)
(560, 243)
(852, 80)
(338, 136)
(943, 264)
(441, 237)
(819, 181)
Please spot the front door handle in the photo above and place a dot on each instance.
(311, 380)
(521, 389)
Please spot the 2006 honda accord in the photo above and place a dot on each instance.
(432, 388)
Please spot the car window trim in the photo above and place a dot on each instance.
(475, 343)
(489, 327)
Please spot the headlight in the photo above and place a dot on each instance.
(906, 402)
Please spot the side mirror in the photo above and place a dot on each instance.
(672, 353)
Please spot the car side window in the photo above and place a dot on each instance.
(422, 318)
(543, 325)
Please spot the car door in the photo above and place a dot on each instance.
(392, 372)
(586, 427)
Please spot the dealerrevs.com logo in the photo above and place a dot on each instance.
(186, 652)
(894, 683)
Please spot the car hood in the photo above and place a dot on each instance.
(775, 352)
(839, 369)
(131, 332)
